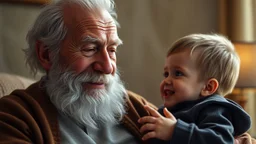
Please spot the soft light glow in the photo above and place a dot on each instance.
(247, 76)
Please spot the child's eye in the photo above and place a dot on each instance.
(165, 74)
(178, 73)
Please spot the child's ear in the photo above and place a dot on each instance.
(210, 87)
(43, 55)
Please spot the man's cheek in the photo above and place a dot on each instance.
(80, 65)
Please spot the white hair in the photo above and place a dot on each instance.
(50, 30)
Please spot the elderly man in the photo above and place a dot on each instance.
(81, 98)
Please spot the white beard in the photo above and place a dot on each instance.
(89, 107)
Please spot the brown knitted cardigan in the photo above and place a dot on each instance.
(28, 116)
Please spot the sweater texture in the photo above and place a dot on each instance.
(28, 116)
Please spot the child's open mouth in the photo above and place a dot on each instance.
(168, 93)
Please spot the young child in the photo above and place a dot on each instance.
(199, 70)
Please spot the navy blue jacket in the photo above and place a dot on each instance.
(209, 120)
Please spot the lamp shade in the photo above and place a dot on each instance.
(247, 75)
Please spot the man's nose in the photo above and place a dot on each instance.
(103, 63)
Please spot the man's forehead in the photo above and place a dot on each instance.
(75, 14)
(95, 23)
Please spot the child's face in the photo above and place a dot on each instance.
(181, 78)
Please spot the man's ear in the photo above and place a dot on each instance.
(210, 87)
(43, 55)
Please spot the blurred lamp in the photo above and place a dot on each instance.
(238, 23)
(247, 76)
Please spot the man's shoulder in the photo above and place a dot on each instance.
(29, 100)
(27, 114)
(18, 100)
(21, 95)
(18, 97)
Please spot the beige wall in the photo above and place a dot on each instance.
(2, 64)
(15, 22)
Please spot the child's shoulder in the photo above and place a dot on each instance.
(219, 101)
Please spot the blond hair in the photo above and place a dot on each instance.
(216, 58)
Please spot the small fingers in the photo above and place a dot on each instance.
(152, 111)
(147, 127)
(147, 119)
(151, 134)
(168, 114)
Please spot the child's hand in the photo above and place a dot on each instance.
(157, 126)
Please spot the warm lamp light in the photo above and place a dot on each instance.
(247, 75)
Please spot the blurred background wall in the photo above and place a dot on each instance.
(148, 27)
(15, 20)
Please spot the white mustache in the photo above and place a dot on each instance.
(89, 77)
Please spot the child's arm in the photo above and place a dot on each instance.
(213, 127)
(157, 126)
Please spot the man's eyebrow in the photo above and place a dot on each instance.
(117, 42)
(90, 39)
(96, 40)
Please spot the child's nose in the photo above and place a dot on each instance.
(168, 80)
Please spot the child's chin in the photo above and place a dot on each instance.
(166, 104)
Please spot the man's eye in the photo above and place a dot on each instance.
(178, 73)
(112, 51)
(89, 51)
(165, 74)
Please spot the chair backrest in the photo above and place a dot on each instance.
(10, 82)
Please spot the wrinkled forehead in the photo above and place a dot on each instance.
(75, 15)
